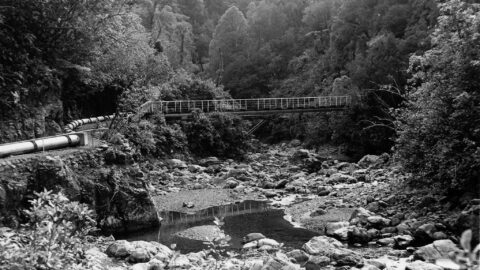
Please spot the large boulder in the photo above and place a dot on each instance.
(436, 250)
(332, 248)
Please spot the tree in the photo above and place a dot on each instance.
(439, 130)
(229, 40)
(174, 35)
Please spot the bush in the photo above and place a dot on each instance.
(219, 134)
(53, 238)
(155, 138)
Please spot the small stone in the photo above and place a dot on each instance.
(188, 205)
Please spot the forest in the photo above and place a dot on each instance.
(411, 64)
(411, 67)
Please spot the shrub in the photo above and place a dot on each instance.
(153, 137)
(53, 238)
(219, 134)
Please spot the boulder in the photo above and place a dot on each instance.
(209, 161)
(299, 256)
(139, 255)
(389, 241)
(436, 250)
(119, 249)
(180, 261)
(331, 227)
(370, 267)
(332, 248)
(301, 154)
(424, 234)
(321, 245)
(358, 235)
(253, 237)
(347, 257)
(238, 173)
(403, 241)
(360, 215)
(268, 242)
(419, 265)
(176, 164)
(341, 234)
(368, 161)
(231, 183)
(378, 221)
(380, 265)
(340, 178)
(317, 263)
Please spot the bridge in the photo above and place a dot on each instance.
(246, 107)
(182, 109)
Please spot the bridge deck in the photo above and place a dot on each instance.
(247, 107)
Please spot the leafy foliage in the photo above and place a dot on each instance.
(439, 131)
(219, 134)
(155, 138)
(53, 238)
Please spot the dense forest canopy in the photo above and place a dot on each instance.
(408, 63)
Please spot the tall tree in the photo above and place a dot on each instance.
(229, 41)
(172, 34)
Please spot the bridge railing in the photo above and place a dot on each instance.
(238, 105)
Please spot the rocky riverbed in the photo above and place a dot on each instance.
(365, 213)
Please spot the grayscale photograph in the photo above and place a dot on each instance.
(239, 134)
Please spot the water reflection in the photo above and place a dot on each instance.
(240, 219)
